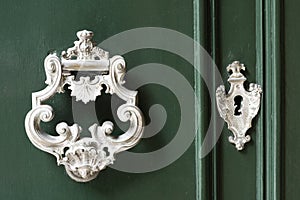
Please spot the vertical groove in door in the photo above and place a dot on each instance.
(202, 173)
(260, 80)
(205, 33)
(272, 99)
(214, 113)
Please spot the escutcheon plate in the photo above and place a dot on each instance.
(239, 106)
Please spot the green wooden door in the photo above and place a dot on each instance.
(264, 36)
(261, 34)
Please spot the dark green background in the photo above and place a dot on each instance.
(290, 134)
(29, 30)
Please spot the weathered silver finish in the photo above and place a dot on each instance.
(83, 158)
(239, 106)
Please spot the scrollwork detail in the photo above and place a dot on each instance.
(85, 157)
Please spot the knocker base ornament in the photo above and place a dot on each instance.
(239, 106)
(84, 157)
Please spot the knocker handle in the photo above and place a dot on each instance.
(85, 157)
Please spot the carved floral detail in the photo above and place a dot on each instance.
(86, 90)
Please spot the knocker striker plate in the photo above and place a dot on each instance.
(239, 106)
(84, 157)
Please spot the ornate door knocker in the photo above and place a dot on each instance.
(239, 106)
(84, 157)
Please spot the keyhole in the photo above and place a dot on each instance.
(238, 105)
(105, 149)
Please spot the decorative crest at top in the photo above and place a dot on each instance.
(83, 48)
(236, 68)
(239, 106)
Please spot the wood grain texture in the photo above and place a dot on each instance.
(273, 103)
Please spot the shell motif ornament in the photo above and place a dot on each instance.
(84, 157)
(239, 106)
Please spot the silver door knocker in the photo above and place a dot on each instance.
(239, 106)
(84, 157)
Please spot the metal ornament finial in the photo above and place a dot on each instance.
(84, 157)
(239, 106)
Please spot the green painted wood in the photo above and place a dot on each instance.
(290, 73)
(220, 187)
(204, 31)
(228, 37)
(260, 189)
(214, 112)
(273, 115)
(264, 35)
(29, 30)
(201, 165)
(237, 41)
